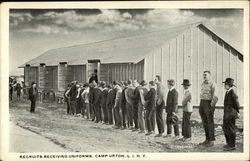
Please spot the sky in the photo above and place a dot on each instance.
(35, 31)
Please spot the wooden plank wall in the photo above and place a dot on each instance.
(122, 71)
(30, 75)
(191, 53)
(51, 78)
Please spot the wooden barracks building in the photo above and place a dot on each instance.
(177, 53)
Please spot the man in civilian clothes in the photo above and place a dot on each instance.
(231, 112)
(141, 106)
(78, 99)
(117, 106)
(103, 102)
(110, 103)
(129, 93)
(97, 102)
(150, 108)
(72, 94)
(67, 99)
(94, 77)
(123, 106)
(187, 111)
(172, 109)
(91, 106)
(33, 96)
(136, 99)
(85, 98)
(160, 103)
(207, 107)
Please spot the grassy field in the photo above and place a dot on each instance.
(77, 134)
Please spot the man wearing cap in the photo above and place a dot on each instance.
(160, 103)
(33, 92)
(187, 111)
(231, 112)
(172, 109)
(129, 93)
(150, 108)
(141, 105)
(208, 101)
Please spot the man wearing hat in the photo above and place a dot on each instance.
(141, 105)
(33, 92)
(231, 112)
(171, 109)
(187, 111)
(208, 100)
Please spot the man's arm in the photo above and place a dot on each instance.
(214, 97)
(175, 101)
(236, 104)
(187, 98)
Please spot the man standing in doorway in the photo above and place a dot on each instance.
(208, 101)
(94, 77)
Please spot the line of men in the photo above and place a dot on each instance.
(132, 105)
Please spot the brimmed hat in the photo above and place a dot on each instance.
(171, 82)
(229, 81)
(186, 82)
(173, 119)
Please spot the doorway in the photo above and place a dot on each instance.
(91, 66)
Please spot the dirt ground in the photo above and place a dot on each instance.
(76, 134)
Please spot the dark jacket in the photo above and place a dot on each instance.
(104, 97)
(111, 97)
(172, 101)
(95, 78)
(151, 98)
(33, 92)
(123, 105)
(136, 97)
(91, 95)
(231, 104)
(97, 96)
(73, 93)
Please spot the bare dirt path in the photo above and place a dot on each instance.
(22, 141)
(76, 134)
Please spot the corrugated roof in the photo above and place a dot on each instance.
(120, 50)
